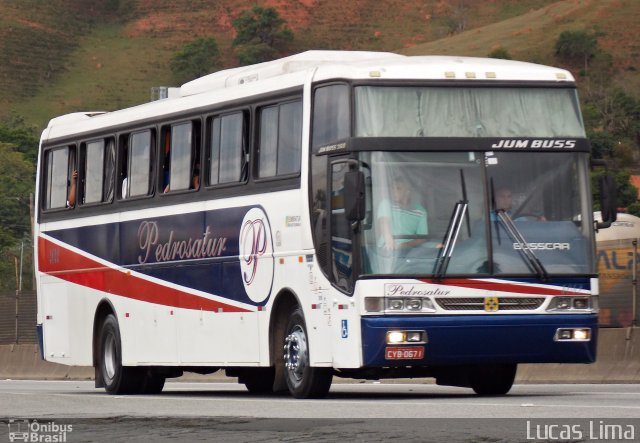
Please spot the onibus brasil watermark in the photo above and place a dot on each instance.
(33, 431)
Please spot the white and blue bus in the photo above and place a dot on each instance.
(352, 214)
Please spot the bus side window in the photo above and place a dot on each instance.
(98, 162)
(123, 162)
(330, 114)
(109, 170)
(182, 155)
(165, 159)
(280, 143)
(60, 167)
(227, 148)
(136, 164)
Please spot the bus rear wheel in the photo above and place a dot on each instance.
(492, 379)
(117, 379)
(303, 380)
(258, 380)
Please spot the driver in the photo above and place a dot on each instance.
(504, 202)
(401, 217)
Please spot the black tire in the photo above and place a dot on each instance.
(258, 380)
(303, 380)
(152, 383)
(492, 379)
(117, 379)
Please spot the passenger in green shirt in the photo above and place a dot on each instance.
(401, 217)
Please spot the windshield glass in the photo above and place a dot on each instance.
(412, 198)
(546, 197)
(390, 111)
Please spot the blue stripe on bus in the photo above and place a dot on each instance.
(196, 250)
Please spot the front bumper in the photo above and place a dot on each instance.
(477, 339)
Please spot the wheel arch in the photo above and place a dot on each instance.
(284, 303)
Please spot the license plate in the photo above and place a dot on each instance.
(406, 353)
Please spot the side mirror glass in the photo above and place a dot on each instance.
(608, 206)
(354, 196)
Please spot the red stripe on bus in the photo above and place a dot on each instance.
(68, 265)
(503, 287)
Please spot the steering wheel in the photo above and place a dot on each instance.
(528, 217)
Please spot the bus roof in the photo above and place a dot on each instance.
(362, 64)
(296, 70)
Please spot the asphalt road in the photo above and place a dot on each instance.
(352, 412)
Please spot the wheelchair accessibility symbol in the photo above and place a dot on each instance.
(345, 328)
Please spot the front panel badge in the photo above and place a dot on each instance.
(491, 304)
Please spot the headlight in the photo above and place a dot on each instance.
(413, 304)
(573, 334)
(405, 337)
(580, 303)
(399, 305)
(395, 337)
(374, 304)
(568, 304)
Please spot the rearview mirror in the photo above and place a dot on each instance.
(608, 206)
(354, 196)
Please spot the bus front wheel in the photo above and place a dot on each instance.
(303, 380)
(494, 379)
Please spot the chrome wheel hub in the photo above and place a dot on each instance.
(296, 355)
(110, 356)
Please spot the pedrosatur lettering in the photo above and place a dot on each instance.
(391, 289)
(173, 249)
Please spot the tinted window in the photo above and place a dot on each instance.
(181, 143)
(139, 164)
(227, 149)
(289, 138)
(58, 178)
(268, 141)
(330, 114)
(94, 172)
(280, 139)
(109, 169)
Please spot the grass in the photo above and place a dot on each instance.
(532, 36)
(107, 71)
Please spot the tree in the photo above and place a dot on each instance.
(195, 59)
(627, 116)
(16, 185)
(602, 144)
(16, 132)
(501, 53)
(457, 20)
(577, 46)
(261, 35)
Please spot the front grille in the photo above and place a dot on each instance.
(477, 303)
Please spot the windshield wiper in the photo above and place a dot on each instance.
(451, 235)
(450, 239)
(516, 235)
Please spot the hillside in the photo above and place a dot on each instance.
(68, 55)
(531, 36)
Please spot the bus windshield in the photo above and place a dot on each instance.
(403, 111)
(515, 210)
